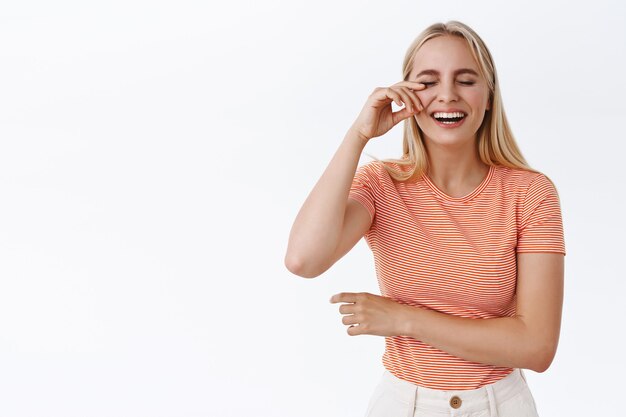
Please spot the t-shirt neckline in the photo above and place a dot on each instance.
(443, 196)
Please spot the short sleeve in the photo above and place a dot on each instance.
(363, 187)
(541, 224)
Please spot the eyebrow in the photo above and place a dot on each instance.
(457, 72)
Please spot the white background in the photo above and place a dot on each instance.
(154, 154)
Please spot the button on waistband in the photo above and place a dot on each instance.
(455, 402)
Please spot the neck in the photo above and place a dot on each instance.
(456, 171)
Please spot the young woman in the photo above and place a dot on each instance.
(467, 239)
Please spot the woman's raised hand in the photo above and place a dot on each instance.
(377, 118)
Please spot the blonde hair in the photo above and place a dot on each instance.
(496, 144)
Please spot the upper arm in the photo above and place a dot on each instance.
(356, 222)
(540, 284)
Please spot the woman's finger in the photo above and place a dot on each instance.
(413, 107)
(408, 103)
(349, 319)
(355, 330)
(390, 94)
(399, 116)
(415, 99)
(413, 85)
(347, 308)
(344, 297)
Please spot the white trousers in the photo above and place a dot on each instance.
(508, 397)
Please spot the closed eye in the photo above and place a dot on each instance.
(460, 82)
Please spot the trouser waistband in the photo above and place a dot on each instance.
(461, 401)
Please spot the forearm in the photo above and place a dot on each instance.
(503, 341)
(317, 228)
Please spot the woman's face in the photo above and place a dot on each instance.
(453, 85)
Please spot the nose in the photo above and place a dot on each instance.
(447, 92)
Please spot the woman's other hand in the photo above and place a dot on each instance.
(373, 314)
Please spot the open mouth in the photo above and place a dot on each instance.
(448, 118)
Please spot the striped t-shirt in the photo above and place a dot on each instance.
(455, 255)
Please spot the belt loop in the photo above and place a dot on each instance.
(521, 371)
(493, 411)
(413, 402)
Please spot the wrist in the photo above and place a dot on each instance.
(354, 135)
(409, 322)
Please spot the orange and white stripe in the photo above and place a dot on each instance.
(454, 255)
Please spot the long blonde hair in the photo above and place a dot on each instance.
(496, 144)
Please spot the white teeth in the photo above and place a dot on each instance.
(448, 115)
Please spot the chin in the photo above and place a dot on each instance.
(449, 142)
(447, 137)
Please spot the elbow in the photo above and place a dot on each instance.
(539, 348)
(543, 358)
(541, 366)
(299, 268)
